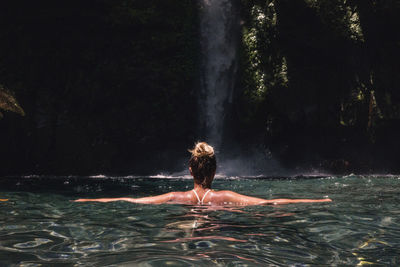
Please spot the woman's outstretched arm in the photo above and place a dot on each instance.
(222, 198)
(288, 201)
(144, 200)
(234, 198)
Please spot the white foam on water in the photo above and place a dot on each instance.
(30, 176)
(219, 175)
(170, 176)
(98, 176)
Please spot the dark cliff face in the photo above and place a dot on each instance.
(110, 86)
(107, 86)
(319, 82)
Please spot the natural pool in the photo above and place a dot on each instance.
(39, 226)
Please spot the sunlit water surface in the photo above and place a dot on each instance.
(39, 226)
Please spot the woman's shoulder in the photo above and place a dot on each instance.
(230, 197)
(224, 193)
(181, 196)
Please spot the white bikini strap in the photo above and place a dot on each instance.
(205, 195)
(197, 196)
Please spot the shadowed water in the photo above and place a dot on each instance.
(39, 226)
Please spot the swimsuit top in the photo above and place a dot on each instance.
(204, 196)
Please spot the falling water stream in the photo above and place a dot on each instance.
(220, 32)
(219, 46)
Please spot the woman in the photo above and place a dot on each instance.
(202, 166)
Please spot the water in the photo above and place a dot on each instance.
(39, 226)
(219, 41)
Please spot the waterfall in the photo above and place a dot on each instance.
(219, 32)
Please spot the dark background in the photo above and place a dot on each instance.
(110, 86)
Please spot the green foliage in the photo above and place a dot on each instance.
(264, 68)
(9, 103)
(319, 76)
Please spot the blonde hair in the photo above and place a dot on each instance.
(203, 164)
(202, 149)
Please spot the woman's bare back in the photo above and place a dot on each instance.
(213, 198)
(226, 197)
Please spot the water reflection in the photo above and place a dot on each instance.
(45, 228)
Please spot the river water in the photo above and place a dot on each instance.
(39, 226)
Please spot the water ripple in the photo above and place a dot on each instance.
(361, 225)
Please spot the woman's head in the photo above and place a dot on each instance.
(202, 164)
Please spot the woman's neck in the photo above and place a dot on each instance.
(200, 187)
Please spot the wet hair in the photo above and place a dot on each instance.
(203, 163)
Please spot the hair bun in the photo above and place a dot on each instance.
(202, 149)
